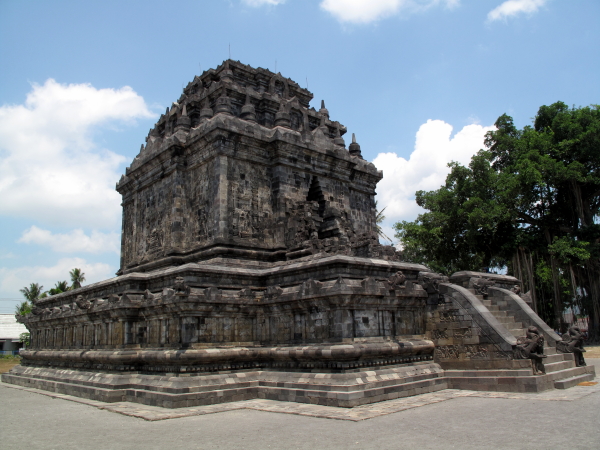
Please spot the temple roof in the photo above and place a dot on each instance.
(256, 95)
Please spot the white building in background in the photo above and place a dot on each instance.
(10, 330)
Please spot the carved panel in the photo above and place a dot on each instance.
(449, 315)
(447, 351)
(440, 334)
(462, 333)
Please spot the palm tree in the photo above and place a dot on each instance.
(33, 292)
(59, 288)
(379, 218)
(77, 277)
(23, 308)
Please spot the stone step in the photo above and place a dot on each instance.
(515, 381)
(573, 381)
(553, 358)
(552, 351)
(569, 373)
(502, 304)
(489, 373)
(380, 389)
(508, 322)
(557, 366)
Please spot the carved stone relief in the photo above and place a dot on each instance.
(180, 287)
(572, 342)
(448, 315)
(397, 281)
(273, 292)
(81, 303)
(531, 346)
(481, 285)
(447, 351)
(462, 333)
(246, 294)
(440, 334)
(431, 281)
(476, 351)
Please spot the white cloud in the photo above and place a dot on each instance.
(513, 7)
(11, 280)
(74, 241)
(50, 167)
(366, 11)
(426, 169)
(257, 3)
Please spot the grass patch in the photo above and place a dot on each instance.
(8, 362)
(592, 351)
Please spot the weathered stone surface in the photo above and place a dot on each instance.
(246, 222)
(266, 177)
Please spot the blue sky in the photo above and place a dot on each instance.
(418, 81)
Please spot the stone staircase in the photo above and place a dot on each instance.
(561, 372)
(560, 367)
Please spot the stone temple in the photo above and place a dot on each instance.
(251, 268)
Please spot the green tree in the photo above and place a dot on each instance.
(23, 308)
(77, 278)
(25, 338)
(59, 288)
(465, 227)
(530, 201)
(33, 292)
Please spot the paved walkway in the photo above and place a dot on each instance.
(447, 419)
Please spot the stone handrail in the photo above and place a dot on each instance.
(524, 313)
(481, 315)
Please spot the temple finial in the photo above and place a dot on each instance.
(354, 148)
(339, 140)
(323, 111)
(248, 112)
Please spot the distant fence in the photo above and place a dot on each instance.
(9, 352)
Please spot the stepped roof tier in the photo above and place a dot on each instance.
(241, 166)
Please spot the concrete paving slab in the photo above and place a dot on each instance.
(554, 419)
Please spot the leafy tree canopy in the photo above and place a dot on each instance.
(77, 277)
(59, 287)
(33, 292)
(530, 201)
